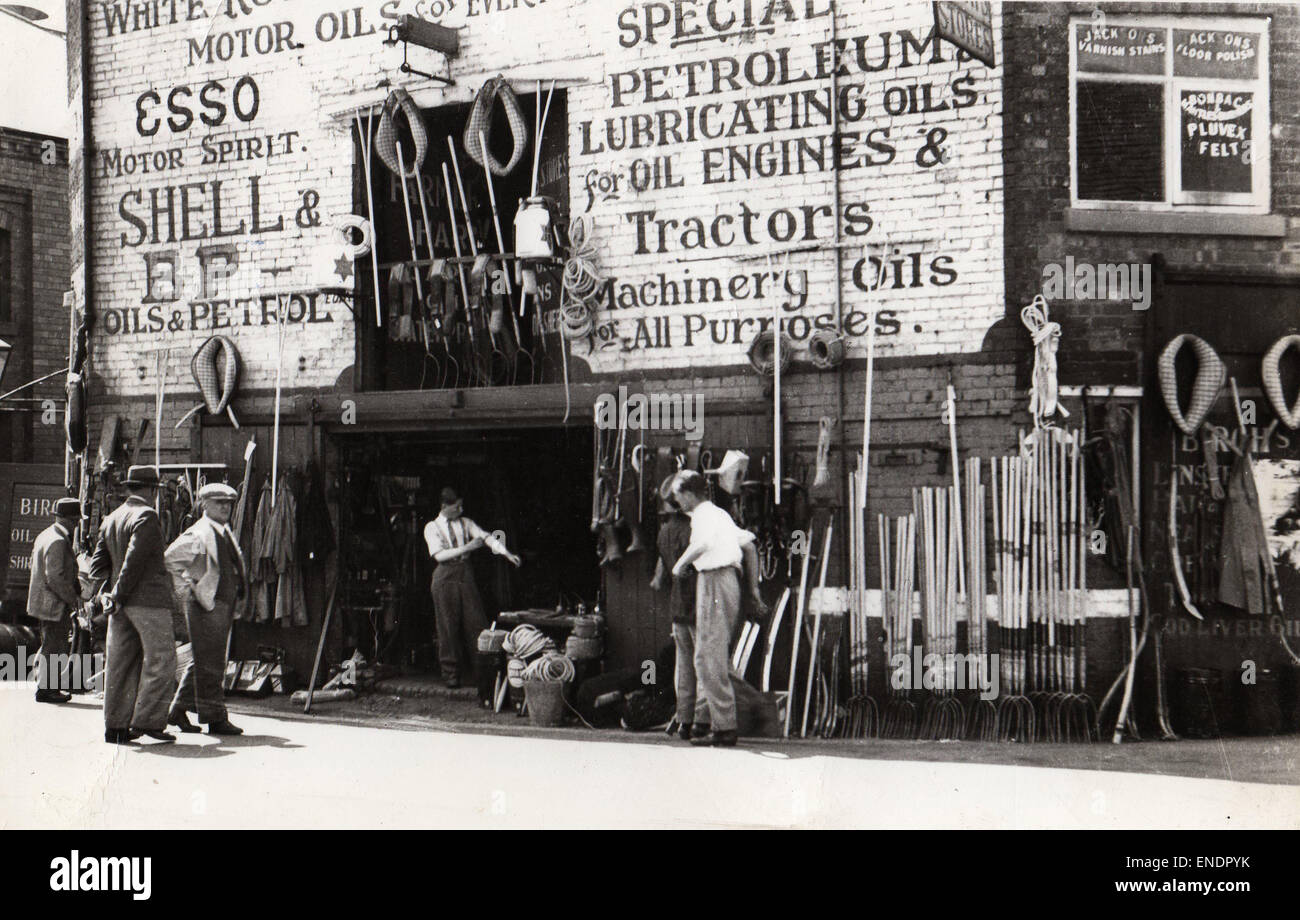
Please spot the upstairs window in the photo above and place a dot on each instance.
(1169, 112)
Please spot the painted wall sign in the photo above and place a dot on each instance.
(1216, 53)
(1101, 48)
(698, 139)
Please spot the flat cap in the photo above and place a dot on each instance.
(219, 491)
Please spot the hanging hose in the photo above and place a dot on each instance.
(581, 283)
(826, 349)
(348, 223)
(480, 122)
(401, 99)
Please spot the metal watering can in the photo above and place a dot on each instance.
(533, 229)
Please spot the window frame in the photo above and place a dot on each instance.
(1258, 200)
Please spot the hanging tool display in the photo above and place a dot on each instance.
(942, 718)
(1046, 336)
(797, 633)
(364, 131)
(1011, 535)
(814, 647)
(983, 724)
(897, 580)
(862, 717)
(476, 366)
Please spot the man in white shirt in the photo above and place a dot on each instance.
(717, 550)
(457, 606)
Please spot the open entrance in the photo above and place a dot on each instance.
(473, 327)
(532, 486)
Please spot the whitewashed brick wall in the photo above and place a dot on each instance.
(950, 211)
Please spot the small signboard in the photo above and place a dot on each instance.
(968, 25)
(31, 511)
(1216, 138)
(1119, 49)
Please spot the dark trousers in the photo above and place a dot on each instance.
(458, 610)
(200, 687)
(141, 668)
(54, 641)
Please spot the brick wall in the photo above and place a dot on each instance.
(34, 210)
(1103, 340)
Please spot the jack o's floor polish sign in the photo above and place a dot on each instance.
(702, 136)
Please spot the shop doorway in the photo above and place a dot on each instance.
(440, 343)
(531, 484)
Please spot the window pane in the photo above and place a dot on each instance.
(1216, 140)
(1119, 49)
(1119, 132)
(1216, 53)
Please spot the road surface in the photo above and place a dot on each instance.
(57, 772)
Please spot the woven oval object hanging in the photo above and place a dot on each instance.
(1272, 374)
(400, 100)
(1210, 376)
(215, 367)
(480, 121)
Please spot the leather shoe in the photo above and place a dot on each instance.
(52, 696)
(224, 727)
(714, 739)
(119, 736)
(182, 721)
(165, 737)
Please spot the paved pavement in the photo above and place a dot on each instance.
(56, 772)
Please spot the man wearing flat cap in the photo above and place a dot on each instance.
(208, 572)
(141, 655)
(53, 594)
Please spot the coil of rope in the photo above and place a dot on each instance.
(1046, 336)
(525, 642)
(761, 349)
(348, 223)
(581, 283)
(401, 99)
(480, 122)
(825, 349)
(552, 668)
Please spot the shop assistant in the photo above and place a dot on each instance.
(457, 606)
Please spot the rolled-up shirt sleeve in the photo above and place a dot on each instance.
(490, 540)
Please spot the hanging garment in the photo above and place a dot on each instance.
(315, 529)
(262, 574)
(290, 604)
(1243, 554)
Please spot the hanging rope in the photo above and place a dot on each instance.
(345, 225)
(215, 367)
(480, 122)
(762, 350)
(526, 641)
(401, 99)
(1046, 336)
(581, 283)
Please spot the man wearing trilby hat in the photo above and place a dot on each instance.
(53, 593)
(141, 656)
(208, 572)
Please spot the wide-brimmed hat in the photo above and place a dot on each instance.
(217, 491)
(67, 507)
(141, 476)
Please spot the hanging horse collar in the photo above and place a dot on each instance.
(1210, 375)
(1272, 375)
